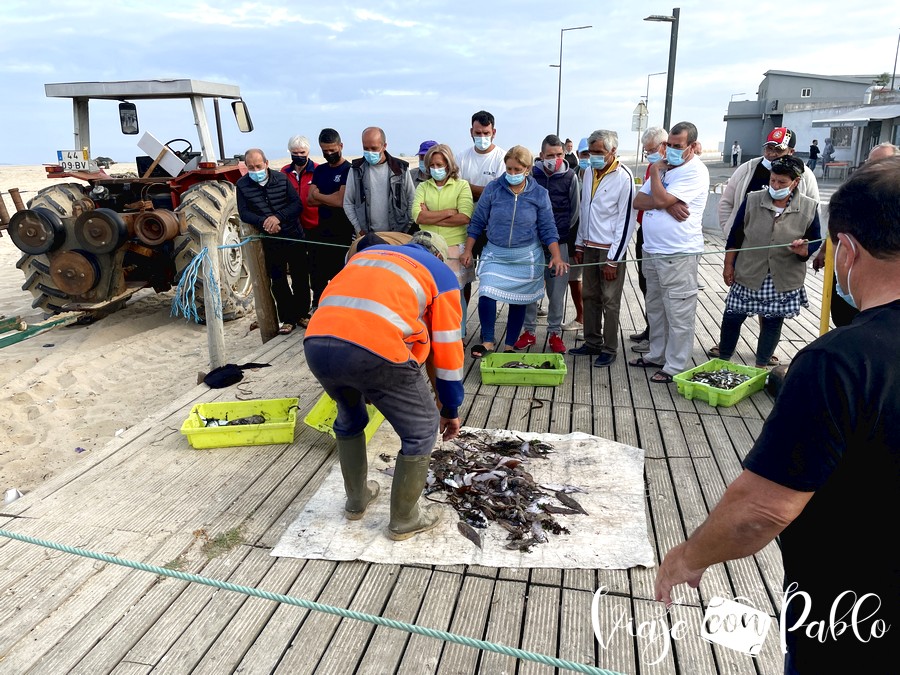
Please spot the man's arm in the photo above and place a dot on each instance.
(246, 213)
(658, 197)
(291, 212)
(335, 199)
(752, 512)
(574, 200)
(349, 201)
(476, 191)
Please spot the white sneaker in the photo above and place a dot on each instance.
(573, 325)
(541, 311)
(580, 334)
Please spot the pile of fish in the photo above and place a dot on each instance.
(720, 379)
(486, 481)
(546, 365)
(213, 422)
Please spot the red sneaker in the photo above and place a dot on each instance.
(556, 344)
(526, 339)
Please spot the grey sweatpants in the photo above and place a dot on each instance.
(671, 309)
(602, 300)
(556, 293)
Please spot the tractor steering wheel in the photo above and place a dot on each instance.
(184, 153)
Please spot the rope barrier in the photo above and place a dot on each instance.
(316, 607)
(185, 300)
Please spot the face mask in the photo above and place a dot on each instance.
(654, 157)
(258, 176)
(674, 156)
(299, 160)
(482, 142)
(846, 296)
(514, 178)
(779, 194)
(372, 157)
(551, 165)
(598, 161)
(584, 163)
(332, 157)
(422, 165)
(438, 174)
(766, 163)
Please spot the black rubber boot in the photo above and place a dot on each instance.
(407, 517)
(354, 467)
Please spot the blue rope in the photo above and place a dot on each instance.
(185, 300)
(317, 607)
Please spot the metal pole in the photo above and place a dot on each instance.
(219, 128)
(559, 93)
(670, 79)
(894, 72)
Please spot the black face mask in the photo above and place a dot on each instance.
(332, 157)
(299, 160)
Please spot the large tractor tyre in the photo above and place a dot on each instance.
(213, 205)
(60, 199)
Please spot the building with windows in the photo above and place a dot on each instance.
(784, 95)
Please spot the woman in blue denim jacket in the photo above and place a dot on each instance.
(517, 215)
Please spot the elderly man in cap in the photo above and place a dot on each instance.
(391, 309)
(420, 174)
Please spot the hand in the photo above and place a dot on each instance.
(313, 190)
(424, 207)
(728, 275)
(679, 211)
(578, 258)
(660, 165)
(610, 273)
(674, 571)
(449, 428)
(558, 267)
(465, 259)
(800, 247)
(819, 261)
(272, 225)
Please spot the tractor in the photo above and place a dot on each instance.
(89, 248)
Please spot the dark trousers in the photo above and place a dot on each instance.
(326, 253)
(769, 335)
(734, 160)
(352, 375)
(639, 250)
(487, 315)
(285, 257)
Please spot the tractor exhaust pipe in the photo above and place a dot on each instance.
(4, 214)
(17, 199)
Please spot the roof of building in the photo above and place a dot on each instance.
(861, 116)
(854, 79)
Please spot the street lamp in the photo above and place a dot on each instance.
(559, 65)
(647, 96)
(743, 93)
(673, 46)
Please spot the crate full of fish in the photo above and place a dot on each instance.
(239, 423)
(529, 370)
(720, 382)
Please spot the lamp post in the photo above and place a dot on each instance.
(743, 93)
(673, 47)
(894, 73)
(647, 95)
(559, 65)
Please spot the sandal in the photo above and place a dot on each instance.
(480, 350)
(304, 322)
(773, 360)
(660, 377)
(641, 363)
(286, 329)
(713, 351)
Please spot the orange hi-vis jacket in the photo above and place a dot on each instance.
(401, 303)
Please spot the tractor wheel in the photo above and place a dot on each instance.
(213, 205)
(61, 200)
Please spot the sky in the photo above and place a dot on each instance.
(418, 69)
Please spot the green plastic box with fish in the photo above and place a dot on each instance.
(280, 415)
(720, 397)
(538, 370)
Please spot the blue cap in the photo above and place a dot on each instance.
(582, 145)
(426, 146)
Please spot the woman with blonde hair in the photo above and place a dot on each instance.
(443, 205)
(517, 216)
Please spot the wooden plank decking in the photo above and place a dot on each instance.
(149, 497)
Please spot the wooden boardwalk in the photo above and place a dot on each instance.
(149, 497)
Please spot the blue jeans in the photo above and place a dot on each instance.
(351, 375)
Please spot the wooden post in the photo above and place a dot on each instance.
(266, 313)
(162, 153)
(826, 286)
(215, 328)
(17, 199)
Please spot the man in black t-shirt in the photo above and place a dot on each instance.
(335, 232)
(824, 474)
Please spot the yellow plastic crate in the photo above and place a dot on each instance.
(324, 413)
(280, 414)
(493, 372)
(720, 397)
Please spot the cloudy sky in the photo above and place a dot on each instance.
(419, 69)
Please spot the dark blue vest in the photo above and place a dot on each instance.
(558, 185)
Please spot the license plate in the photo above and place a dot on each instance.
(73, 160)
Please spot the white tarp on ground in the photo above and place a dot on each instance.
(612, 536)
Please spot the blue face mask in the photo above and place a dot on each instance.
(846, 296)
(514, 178)
(438, 174)
(372, 157)
(598, 161)
(766, 163)
(258, 176)
(422, 166)
(482, 142)
(654, 157)
(779, 194)
(584, 163)
(674, 156)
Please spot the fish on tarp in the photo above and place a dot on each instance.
(566, 500)
(469, 532)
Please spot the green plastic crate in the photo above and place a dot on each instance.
(280, 414)
(720, 397)
(493, 373)
(324, 413)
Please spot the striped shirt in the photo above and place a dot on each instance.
(401, 303)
